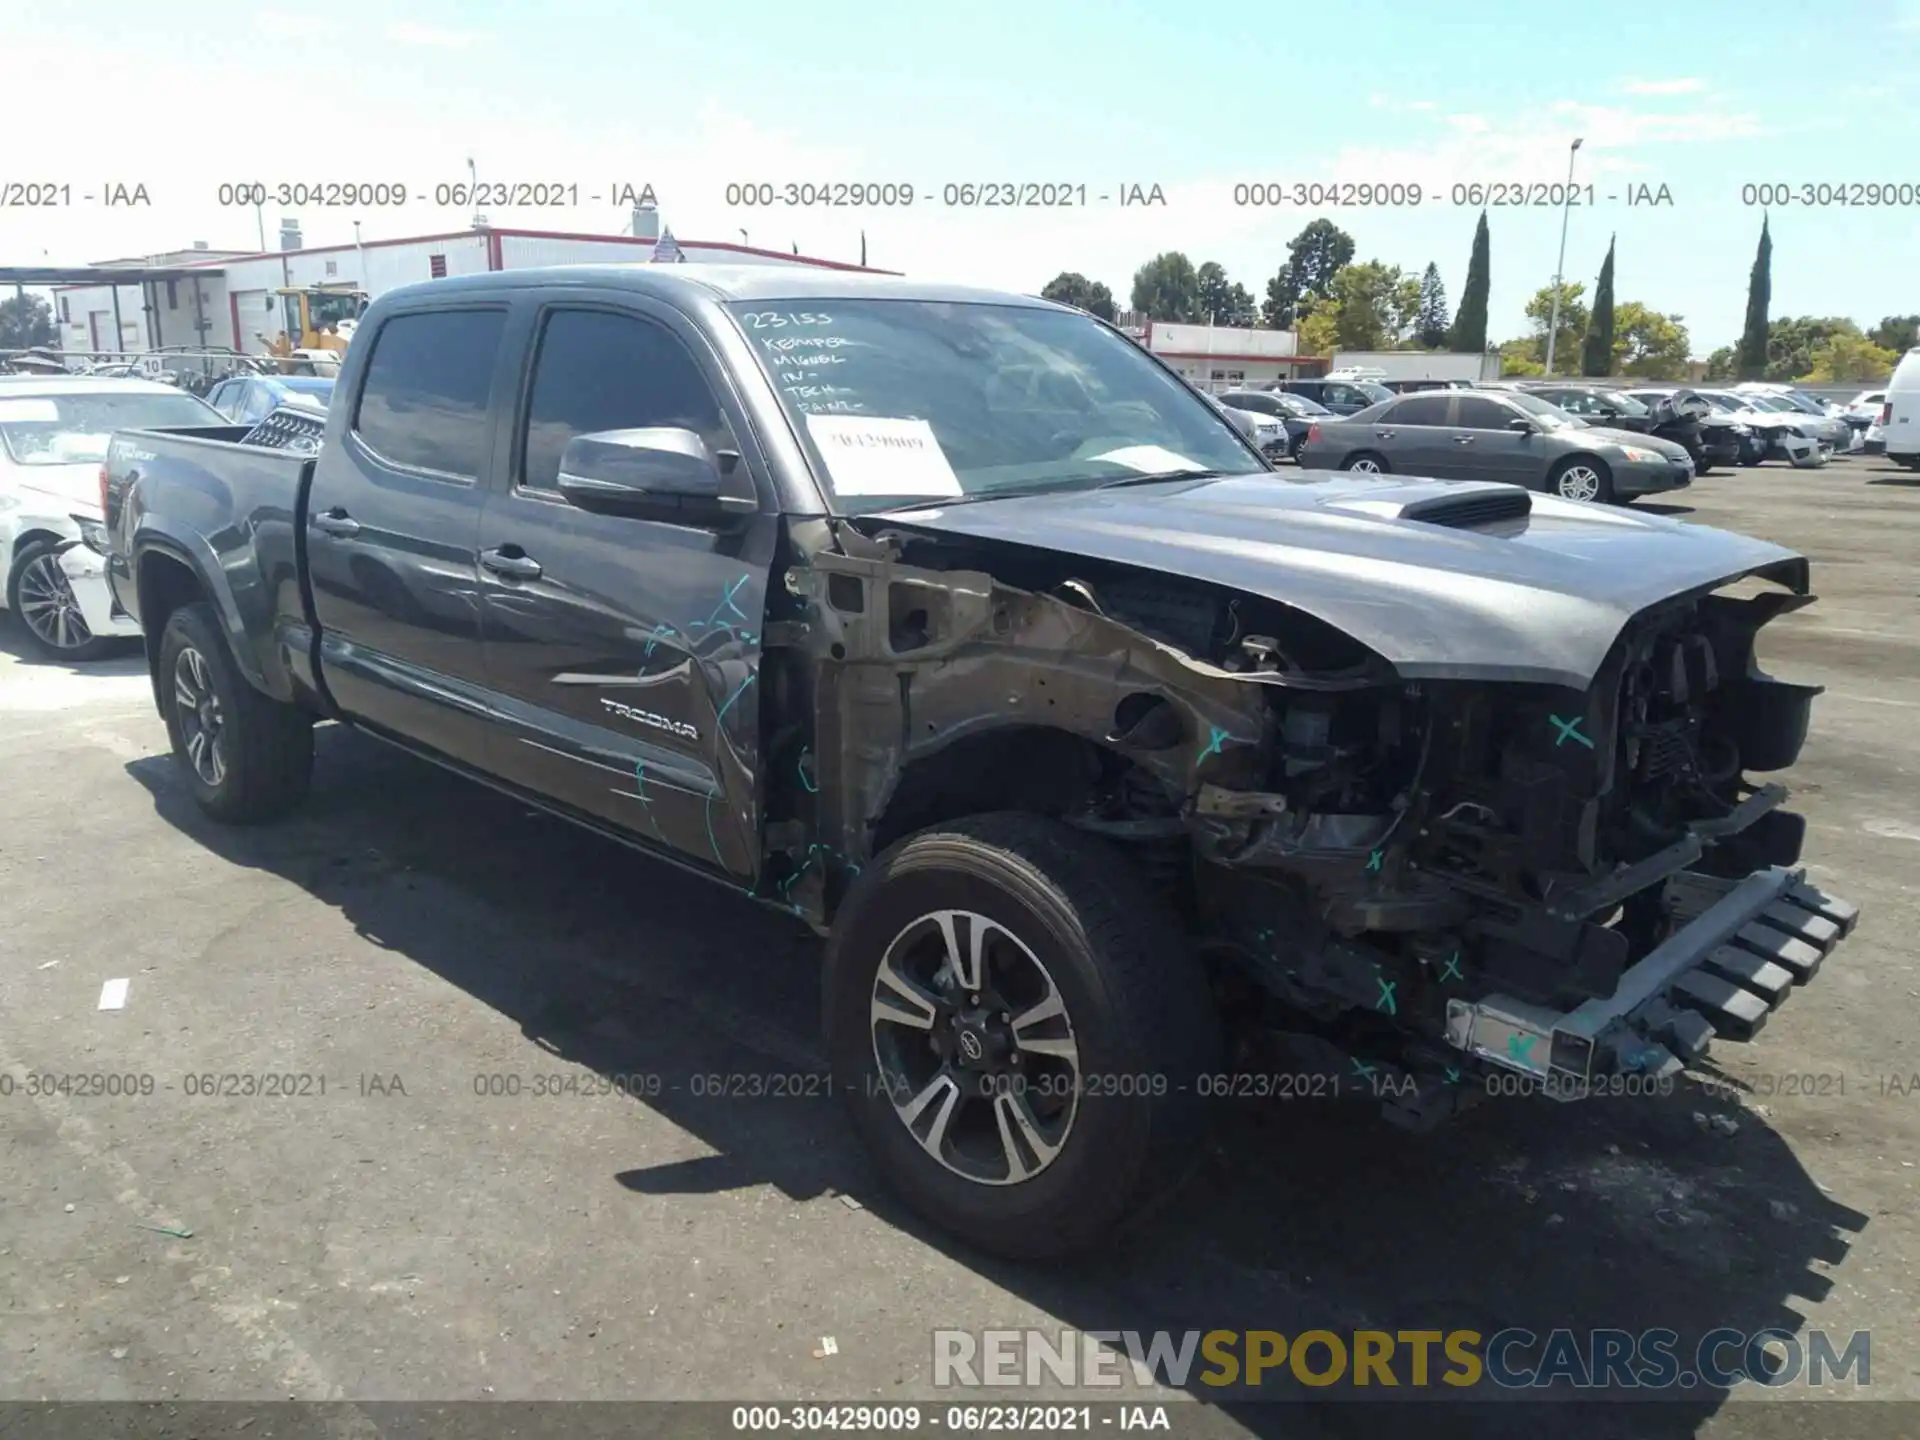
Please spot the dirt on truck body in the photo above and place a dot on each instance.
(1111, 762)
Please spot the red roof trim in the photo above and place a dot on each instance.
(1220, 355)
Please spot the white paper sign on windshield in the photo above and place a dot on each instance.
(29, 412)
(1149, 459)
(870, 455)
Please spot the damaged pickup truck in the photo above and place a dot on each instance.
(1115, 766)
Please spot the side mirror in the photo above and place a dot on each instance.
(1521, 423)
(655, 474)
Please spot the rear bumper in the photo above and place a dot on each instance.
(1721, 974)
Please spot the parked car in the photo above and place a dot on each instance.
(1790, 435)
(1342, 397)
(1499, 435)
(1681, 417)
(1265, 433)
(1900, 419)
(1091, 745)
(1814, 417)
(53, 438)
(1754, 444)
(248, 399)
(1296, 412)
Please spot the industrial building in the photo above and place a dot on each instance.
(1221, 357)
(201, 298)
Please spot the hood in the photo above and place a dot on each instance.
(60, 489)
(1607, 435)
(1539, 597)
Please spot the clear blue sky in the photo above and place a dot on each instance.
(686, 97)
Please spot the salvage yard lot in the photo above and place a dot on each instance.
(416, 947)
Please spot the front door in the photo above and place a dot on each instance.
(624, 653)
(1485, 448)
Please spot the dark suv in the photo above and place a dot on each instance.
(1342, 397)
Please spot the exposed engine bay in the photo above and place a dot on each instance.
(1380, 867)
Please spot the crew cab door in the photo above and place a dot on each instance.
(391, 524)
(623, 653)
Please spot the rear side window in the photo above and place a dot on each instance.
(600, 371)
(424, 403)
(1419, 410)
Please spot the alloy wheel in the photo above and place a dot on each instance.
(48, 606)
(202, 721)
(975, 1047)
(1365, 467)
(1578, 482)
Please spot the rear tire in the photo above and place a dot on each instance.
(246, 757)
(1367, 462)
(1076, 1121)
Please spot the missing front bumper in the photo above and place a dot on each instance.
(1720, 975)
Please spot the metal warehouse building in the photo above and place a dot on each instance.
(227, 298)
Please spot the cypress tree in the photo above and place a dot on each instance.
(1470, 322)
(1596, 353)
(1752, 360)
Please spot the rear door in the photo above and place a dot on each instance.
(1412, 435)
(623, 652)
(392, 523)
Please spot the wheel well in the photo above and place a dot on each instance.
(165, 584)
(26, 538)
(1024, 767)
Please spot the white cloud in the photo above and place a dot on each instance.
(1688, 86)
(289, 26)
(406, 32)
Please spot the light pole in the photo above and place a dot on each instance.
(744, 240)
(1559, 270)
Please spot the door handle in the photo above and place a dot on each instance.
(515, 566)
(335, 522)
(1383, 434)
(1463, 439)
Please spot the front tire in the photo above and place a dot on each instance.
(1019, 1029)
(39, 594)
(246, 757)
(1581, 478)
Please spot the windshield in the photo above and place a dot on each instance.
(903, 401)
(1373, 392)
(1301, 405)
(1622, 402)
(1552, 417)
(308, 385)
(74, 429)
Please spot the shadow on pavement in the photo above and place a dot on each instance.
(125, 656)
(1624, 1213)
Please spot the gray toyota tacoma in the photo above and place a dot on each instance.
(1123, 774)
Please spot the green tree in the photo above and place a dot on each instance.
(1793, 341)
(1521, 357)
(1649, 345)
(1318, 321)
(1317, 254)
(1241, 310)
(1470, 325)
(1898, 333)
(25, 320)
(1573, 319)
(1431, 329)
(1596, 351)
(1216, 293)
(1070, 287)
(1281, 308)
(1721, 363)
(1167, 288)
(1851, 357)
(1752, 359)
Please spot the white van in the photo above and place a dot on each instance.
(1901, 419)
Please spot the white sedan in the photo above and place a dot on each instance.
(54, 433)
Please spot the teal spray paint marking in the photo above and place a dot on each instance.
(806, 780)
(1218, 738)
(1452, 970)
(1362, 1069)
(646, 800)
(1520, 1047)
(738, 691)
(1569, 730)
(1373, 860)
(1386, 1001)
(1453, 1076)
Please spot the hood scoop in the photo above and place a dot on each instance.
(1465, 506)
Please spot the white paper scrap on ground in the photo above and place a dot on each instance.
(113, 994)
(1149, 459)
(870, 455)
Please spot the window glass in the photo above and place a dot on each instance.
(1419, 410)
(1479, 413)
(600, 371)
(425, 399)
